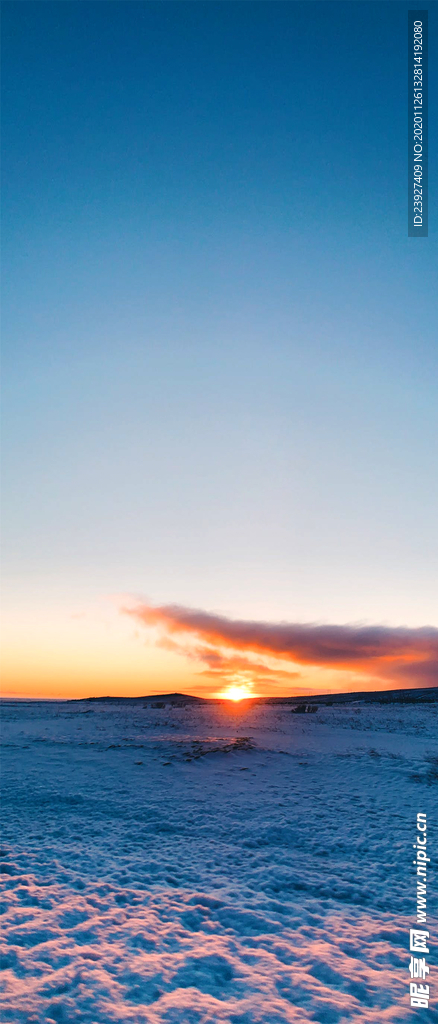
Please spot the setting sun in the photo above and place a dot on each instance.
(237, 693)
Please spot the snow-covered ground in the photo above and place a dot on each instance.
(212, 864)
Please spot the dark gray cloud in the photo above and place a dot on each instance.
(384, 652)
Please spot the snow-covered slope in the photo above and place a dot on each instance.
(207, 864)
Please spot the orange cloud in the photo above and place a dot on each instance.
(232, 668)
(260, 651)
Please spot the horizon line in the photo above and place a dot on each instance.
(256, 697)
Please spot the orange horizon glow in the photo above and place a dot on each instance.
(60, 652)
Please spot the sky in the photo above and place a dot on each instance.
(219, 351)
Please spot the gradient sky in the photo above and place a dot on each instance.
(220, 346)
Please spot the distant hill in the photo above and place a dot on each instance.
(413, 695)
(167, 698)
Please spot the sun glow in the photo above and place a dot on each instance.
(237, 693)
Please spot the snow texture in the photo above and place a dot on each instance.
(209, 864)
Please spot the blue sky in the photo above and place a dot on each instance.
(219, 342)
